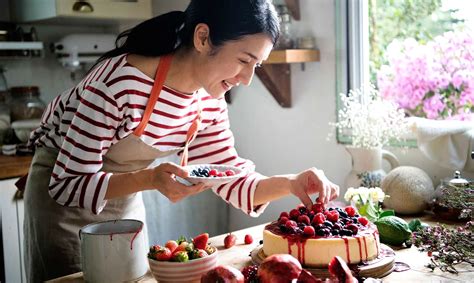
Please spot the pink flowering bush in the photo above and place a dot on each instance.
(433, 80)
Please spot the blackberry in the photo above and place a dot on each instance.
(346, 232)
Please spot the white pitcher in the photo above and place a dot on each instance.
(367, 168)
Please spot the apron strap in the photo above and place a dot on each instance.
(163, 67)
(192, 133)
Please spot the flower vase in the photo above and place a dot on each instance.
(367, 168)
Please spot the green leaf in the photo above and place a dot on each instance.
(368, 211)
(385, 213)
(414, 225)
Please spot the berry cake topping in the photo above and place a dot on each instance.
(206, 172)
(321, 222)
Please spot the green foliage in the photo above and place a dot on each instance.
(400, 19)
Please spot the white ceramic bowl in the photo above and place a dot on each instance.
(189, 271)
(23, 128)
(212, 181)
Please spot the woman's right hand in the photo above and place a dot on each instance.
(163, 178)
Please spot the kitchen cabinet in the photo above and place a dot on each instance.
(11, 217)
(81, 11)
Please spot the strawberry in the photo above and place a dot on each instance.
(350, 210)
(362, 220)
(319, 218)
(183, 247)
(163, 254)
(309, 231)
(213, 173)
(304, 219)
(333, 216)
(229, 173)
(200, 241)
(180, 256)
(155, 248)
(229, 240)
(172, 245)
(201, 253)
(248, 239)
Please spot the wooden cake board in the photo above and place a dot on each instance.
(379, 267)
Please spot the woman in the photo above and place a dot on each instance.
(157, 95)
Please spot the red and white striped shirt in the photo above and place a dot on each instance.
(105, 107)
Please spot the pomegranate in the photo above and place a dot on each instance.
(339, 269)
(223, 274)
(279, 268)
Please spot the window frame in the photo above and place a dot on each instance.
(352, 50)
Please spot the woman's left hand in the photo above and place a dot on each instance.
(313, 181)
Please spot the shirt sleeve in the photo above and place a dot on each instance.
(215, 145)
(76, 180)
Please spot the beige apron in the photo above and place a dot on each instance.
(52, 247)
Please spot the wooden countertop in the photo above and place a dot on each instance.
(14, 166)
(238, 257)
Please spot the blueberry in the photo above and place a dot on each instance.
(337, 226)
(354, 220)
(330, 208)
(343, 214)
(346, 232)
(335, 232)
(320, 232)
(328, 224)
(326, 231)
(303, 210)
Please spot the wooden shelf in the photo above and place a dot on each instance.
(292, 56)
(275, 72)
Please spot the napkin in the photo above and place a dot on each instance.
(448, 142)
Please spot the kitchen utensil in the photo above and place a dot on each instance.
(211, 181)
(113, 251)
(189, 271)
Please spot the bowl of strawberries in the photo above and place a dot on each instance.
(182, 260)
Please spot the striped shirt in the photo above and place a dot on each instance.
(105, 107)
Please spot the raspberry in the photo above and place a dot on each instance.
(303, 219)
(317, 207)
(284, 214)
(350, 210)
(229, 173)
(291, 224)
(319, 218)
(213, 173)
(294, 214)
(220, 174)
(333, 216)
(248, 239)
(362, 220)
(283, 220)
(309, 231)
(250, 273)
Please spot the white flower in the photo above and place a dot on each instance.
(372, 122)
(376, 194)
(362, 195)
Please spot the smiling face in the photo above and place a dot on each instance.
(220, 69)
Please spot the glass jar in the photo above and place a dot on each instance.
(450, 192)
(26, 103)
(284, 41)
(4, 109)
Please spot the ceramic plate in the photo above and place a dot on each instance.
(211, 181)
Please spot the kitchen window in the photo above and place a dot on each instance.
(418, 53)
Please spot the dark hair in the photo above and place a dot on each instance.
(227, 20)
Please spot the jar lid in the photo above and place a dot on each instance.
(24, 90)
(458, 181)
